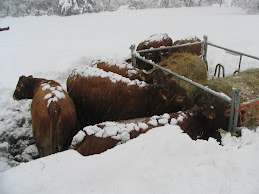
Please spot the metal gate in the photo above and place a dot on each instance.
(236, 95)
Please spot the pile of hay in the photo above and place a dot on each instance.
(187, 65)
(246, 81)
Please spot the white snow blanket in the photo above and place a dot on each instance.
(164, 160)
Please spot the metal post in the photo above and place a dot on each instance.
(133, 55)
(204, 50)
(235, 106)
(232, 110)
(238, 99)
(240, 61)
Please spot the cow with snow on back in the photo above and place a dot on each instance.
(53, 113)
(125, 69)
(106, 96)
(199, 123)
(119, 67)
(154, 41)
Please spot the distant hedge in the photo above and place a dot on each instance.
(18, 8)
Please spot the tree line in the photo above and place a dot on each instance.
(17, 8)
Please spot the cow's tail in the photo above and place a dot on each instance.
(54, 112)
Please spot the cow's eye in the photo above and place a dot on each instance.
(227, 113)
(180, 98)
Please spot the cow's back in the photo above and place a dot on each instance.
(43, 113)
(98, 99)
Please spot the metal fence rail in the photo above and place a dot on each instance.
(225, 98)
(250, 101)
(234, 101)
(236, 95)
(230, 51)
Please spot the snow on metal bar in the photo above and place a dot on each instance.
(254, 102)
(250, 101)
(168, 47)
(219, 95)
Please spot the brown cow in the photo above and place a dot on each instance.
(53, 113)
(105, 96)
(194, 49)
(154, 41)
(198, 123)
(157, 76)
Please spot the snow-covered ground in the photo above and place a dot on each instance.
(162, 161)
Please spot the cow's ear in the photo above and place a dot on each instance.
(144, 77)
(170, 77)
(22, 78)
(155, 82)
(163, 93)
(204, 105)
(227, 113)
(209, 113)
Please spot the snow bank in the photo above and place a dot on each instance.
(15, 131)
(28, 47)
(164, 160)
(121, 131)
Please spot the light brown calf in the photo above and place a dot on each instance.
(53, 113)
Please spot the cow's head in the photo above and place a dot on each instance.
(156, 77)
(220, 120)
(176, 97)
(210, 119)
(24, 88)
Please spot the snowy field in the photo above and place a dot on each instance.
(164, 160)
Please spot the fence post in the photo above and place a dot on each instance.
(239, 66)
(204, 50)
(235, 106)
(232, 110)
(133, 55)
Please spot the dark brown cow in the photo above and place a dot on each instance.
(53, 113)
(105, 96)
(194, 49)
(154, 41)
(157, 76)
(198, 123)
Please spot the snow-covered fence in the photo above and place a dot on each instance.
(236, 95)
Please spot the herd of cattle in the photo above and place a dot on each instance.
(108, 103)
